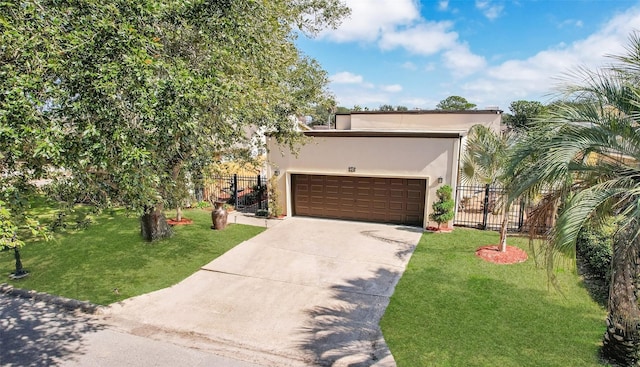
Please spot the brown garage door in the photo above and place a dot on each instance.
(374, 199)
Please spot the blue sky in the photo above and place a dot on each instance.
(417, 53)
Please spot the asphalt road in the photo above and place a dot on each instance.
(40, 334)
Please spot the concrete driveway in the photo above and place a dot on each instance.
(305, 292)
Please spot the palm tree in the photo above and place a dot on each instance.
(589, 153)
(484, 161)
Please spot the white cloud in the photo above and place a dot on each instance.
(353, 96)
(430, 66)
(422, 103)
(423, 39)
(570, 23)
(462, 61)
(533, 78)
(538, 75)
(370, 18)
(346, 77)
(409, 66)
(490, 11)
(397, 24)
(393, 88)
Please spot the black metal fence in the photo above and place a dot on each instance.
(479, 207)
(245, 193)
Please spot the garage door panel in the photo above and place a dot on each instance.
(413, 194)
(383, 193)
(331, 189)
(413, 219)
(378, 204)
(387, 200)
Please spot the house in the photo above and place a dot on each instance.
(375, 166)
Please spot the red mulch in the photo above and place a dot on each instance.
(491, 253)
(174, 222)
(441, 230)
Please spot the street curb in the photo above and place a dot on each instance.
(66, 303)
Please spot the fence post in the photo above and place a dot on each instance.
(235, 190)
(259, 192)
(521, 215)
(485, 209)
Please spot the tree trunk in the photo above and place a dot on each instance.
(178, 213)
(19, 269)
(503, 228)
(621, 341)
(153, 224)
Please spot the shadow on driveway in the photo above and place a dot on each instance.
(347, 333)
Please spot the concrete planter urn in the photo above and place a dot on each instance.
(219, 216)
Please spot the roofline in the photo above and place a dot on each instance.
(454, 134)
(423, 112)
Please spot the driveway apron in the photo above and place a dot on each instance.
(305, 292)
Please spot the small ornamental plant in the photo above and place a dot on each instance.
(443, 208)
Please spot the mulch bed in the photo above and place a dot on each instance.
(174, 222)
(440, 230)
(491, 253)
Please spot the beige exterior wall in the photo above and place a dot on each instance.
(419, 121)
(399, 157)
(343, 122)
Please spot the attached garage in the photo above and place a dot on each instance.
(374, 199)
(378, 167)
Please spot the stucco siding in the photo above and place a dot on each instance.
(398, 157)
(422, 122)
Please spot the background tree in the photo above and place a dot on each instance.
(386, 107)
(402, 108)
(323, 112)
(454, 103)
(524, 114)
(589, 153)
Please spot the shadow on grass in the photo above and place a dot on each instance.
(347, 332)
(39, 334)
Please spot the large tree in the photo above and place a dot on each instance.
(589, 153)
(455, 103)
(126, 95)
(29, 137)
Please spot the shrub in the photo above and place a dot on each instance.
(272, 189)
(443, 208)
(202, 204)
(594, 251)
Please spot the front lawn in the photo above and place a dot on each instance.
(108, 261)
(453, 309)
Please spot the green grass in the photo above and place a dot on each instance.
(453, 309)
(89, 264)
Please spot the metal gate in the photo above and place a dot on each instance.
(245, 193)
(479, 207)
